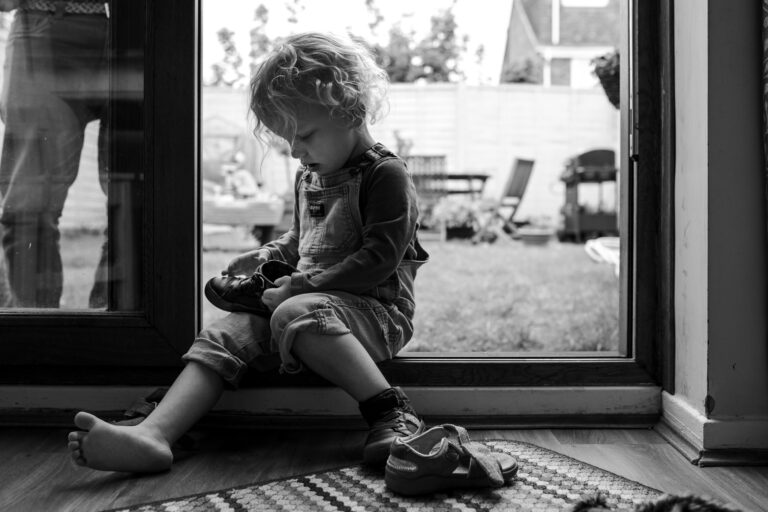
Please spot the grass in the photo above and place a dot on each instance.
(508, 297)
(503, 297)
(470, 298)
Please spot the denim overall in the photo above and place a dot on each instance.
(331, 229)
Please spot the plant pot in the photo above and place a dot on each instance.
(606, 69)
(533, 236)
(459, 232)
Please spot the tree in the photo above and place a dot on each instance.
(397, 57)
(376, 16)
(261, 44)
(294, 7)
(434, 59)
(440, 51)
(227, 71)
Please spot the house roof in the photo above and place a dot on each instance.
(579, 26)
(530, 29)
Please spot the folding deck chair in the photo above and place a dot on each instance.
(499, 216)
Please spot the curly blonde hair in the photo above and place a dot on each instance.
(322, 70)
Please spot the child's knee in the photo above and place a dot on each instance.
(236, 331)
(291, 309)
(229, 345)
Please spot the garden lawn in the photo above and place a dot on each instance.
(505, 296)
(508, 296)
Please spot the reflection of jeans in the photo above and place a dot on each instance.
(55, 83)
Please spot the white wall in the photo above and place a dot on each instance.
(691, 258)
(720, 228)
(738, 358)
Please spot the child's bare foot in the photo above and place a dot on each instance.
(109, 447)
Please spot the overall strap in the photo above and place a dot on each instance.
(375, 154)
(372, 158)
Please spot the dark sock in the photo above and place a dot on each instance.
(379, 405)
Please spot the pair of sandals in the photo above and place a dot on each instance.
(444, 458)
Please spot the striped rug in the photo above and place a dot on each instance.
(545, 481)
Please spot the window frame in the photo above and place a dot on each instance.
(143, 349)
(60, 346)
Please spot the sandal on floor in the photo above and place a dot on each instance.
(142, 407)
(444, 458)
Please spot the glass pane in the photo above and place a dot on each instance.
(510, 138)
(72, 156)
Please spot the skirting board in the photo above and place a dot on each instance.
(489, 407)
(713, 442)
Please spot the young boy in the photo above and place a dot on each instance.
(348, 305)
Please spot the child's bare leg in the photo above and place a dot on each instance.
(342, 360)
(146, 447)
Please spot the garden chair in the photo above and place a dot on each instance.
(499, 216)
(429, 177)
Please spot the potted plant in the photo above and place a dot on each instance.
(457, 215)
(538, 231)
(606, 68)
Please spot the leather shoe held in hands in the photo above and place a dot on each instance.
(243, 294)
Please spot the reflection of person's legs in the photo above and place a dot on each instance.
(41, 148)
(33, 263)
(33, 173)
(220, 355)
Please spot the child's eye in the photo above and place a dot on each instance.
(306, 135)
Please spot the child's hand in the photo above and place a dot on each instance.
(273, 297)
(245, 264)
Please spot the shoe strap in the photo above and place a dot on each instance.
(478, 452)
(140, 408)
(256, 281)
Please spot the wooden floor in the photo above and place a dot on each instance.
(37, 475)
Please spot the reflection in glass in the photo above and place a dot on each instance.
(70, 113)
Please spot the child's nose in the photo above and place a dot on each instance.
(297, 149)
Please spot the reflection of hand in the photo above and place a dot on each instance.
(9, 5)
(244, 264)
(273, 297)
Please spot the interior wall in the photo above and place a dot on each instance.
(721, 361)
(738, 346)
(691, 201)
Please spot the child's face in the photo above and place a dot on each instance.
(322, 144)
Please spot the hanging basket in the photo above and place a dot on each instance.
(606, 68)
